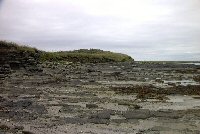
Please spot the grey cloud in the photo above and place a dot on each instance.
(52, 25)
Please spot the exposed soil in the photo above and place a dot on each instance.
(107, 98)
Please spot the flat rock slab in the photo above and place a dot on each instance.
(18, 104)
(91, 106)
(76, 120)
(167, 114)
(70, 120)
(137, 114)
(105, 114)
(21, 109)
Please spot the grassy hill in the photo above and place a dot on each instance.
(85, 55)
(82, 55)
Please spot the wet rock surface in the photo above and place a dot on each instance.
(139, 97)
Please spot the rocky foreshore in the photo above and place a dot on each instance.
(117, 97)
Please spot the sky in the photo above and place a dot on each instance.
(143, 29)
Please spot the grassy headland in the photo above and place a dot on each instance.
(82, 55)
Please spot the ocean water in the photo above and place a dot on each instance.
(194, 63)
(183, 82)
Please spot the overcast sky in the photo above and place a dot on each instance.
(144, 29)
